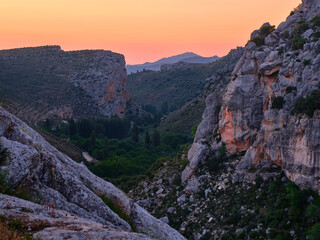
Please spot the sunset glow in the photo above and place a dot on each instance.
(142, 30)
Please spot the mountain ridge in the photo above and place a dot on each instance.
(52, 83)
(189, 57)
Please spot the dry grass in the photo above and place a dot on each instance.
(8, 234)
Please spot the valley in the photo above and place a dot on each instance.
(186, 147)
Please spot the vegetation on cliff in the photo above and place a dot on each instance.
(308, 105)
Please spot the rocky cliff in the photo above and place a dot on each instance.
(183, 119)
(74, 203)
(47, 82)
(264, 109)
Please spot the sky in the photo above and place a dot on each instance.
(142, 30)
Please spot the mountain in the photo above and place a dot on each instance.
(200, 59)
(252, 171)
(270, 109)
(183, 119)
(63, 199)
(46, 82)
(173, 86)
(184, 57)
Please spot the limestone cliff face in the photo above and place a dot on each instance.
(47, 82)
(256, 108)
(103, 76)
(61, 184)
(213, 93)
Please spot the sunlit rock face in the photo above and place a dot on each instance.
(78, 84)
(255, 113)
(103, 76)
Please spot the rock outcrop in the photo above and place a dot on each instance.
(208, 127)
(44, 222)
(57, 181)
(279, 67)
(47, 82)
(183, 119)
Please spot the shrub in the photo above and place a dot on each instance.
(6, 232)
(314, 232)
(266, 30)
(273, 218)
(306, 62)
(277, 102)
(316, 36)
(5, 186)
(194, 129)
(308, 105)
(300, 28)
(218, 108)
(258, 40)
(297, 200)
(316, 21)
(214, 162)
(16, 224)
(298, 42)
(290, 89)
(117, 210)
(313, 212)
(286, 34)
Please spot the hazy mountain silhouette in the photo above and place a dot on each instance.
(189, 57)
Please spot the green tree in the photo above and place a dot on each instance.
(93, 139)
(86, 127)
(164, 108)
(314, 232)
(48, 124)
(72, 128)
(106, 147)
(147, 139)
(135, 133)
(156, 138)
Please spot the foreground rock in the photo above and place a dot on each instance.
(46, 222)
(56, 180)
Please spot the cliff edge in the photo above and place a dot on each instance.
(270, 110)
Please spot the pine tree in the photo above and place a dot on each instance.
(93, 139)
(164, 108)
(156, 138)
(106, 148)
(72, 128)
(135, 133)
(48, 124)
(147, 140)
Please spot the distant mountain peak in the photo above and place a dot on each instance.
(189, 57)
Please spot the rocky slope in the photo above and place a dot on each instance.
(47, 82)
(182, 120)
(256, 136)
(211, 206)
(260, 114)
(173, 87)
(74, 202)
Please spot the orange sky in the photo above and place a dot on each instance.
(142, 30)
